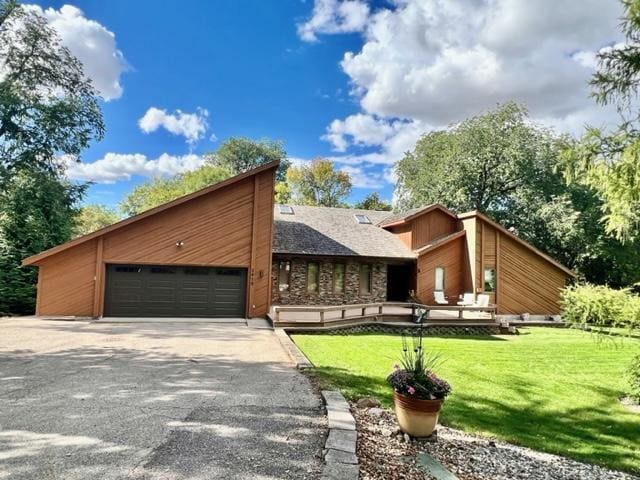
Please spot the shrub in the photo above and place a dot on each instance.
(633, 374)
(600, 306)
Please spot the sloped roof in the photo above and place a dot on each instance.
(335, 232)
(524, 243)
(440, 241)
(402, 217)
(34, 259)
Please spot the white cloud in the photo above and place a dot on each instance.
(192, 126)
(114, 167)
(334, 16)
(92, 43)
(360, 178)
(426, 64)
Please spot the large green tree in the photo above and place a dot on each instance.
(37, 213)
(609, 161)
(48, 111)
(239, 154)
(48, 107)
(162, 190)
(318, 184)
(93, 217)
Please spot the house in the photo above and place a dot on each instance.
(228, 251)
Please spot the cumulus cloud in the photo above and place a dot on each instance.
(114, 167)
(427, 64)
(334, 16)
(192, 126)
(92, 43)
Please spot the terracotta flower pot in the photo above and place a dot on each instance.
(416, 417)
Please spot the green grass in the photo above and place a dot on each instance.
(554, 390)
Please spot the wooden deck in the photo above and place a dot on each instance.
(387, 312)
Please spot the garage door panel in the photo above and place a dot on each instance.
(170, 291)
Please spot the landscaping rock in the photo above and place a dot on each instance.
(375, 412)
(467, 457)
(368, 402)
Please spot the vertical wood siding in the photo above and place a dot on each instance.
(216, 230)
(432, 225)
(450, 256)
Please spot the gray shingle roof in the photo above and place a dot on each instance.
(335, 232)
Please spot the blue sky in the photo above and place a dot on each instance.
(354, 81)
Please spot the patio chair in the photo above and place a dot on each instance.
(483, 301)
(440, 298)
(468, 299)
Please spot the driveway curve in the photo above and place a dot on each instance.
(153, 401)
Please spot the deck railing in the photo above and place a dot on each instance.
(321, 315)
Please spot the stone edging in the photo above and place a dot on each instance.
(292, 349)
(341, 461)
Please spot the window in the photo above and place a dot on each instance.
(362, 219)
(439, 283)
(338, 278)
(490, 279)
(365, 279)
(313, 277)
(284, 276)
(162, 270)
(285, 210)
(128, 269)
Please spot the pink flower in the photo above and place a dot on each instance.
(411, 390)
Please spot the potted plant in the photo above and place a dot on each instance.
(418, 393)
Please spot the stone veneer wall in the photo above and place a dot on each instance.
(298, 294)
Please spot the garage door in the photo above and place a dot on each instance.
(172, 291)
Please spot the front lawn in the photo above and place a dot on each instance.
(550, 389)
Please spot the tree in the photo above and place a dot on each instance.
(93, 217)
(37, 213)
(373, 202)
(318, 184)
(239, 154)
(609, 163)
(479, 164)
(48, 111)
(162, 190)
(48, 108)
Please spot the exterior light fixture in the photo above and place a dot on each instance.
(179, 243)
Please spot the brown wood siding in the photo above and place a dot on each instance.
(450, 256)
(217, 229)
(404, 233)
(432, 225)
(527, 282)
(66, 285)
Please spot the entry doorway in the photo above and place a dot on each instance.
(400, 280)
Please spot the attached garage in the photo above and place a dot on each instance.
(174, 291)
(207, 254)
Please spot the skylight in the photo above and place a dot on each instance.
(285, 210)
(362, 219)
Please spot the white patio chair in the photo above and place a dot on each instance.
(483, 301)
(440, 298)
(467, 299)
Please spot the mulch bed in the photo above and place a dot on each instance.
(385, 454)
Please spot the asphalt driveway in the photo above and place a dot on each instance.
(153, 401)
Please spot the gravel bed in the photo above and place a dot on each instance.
(384, 454)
